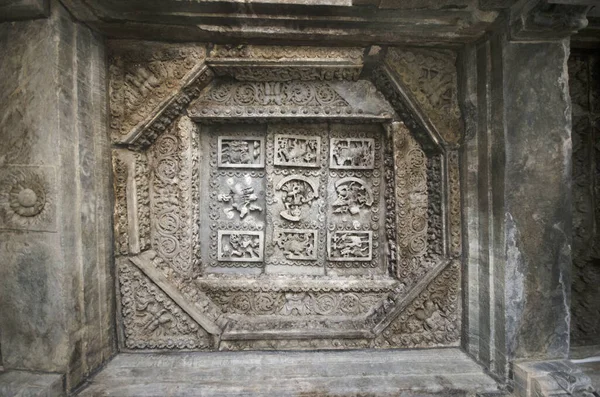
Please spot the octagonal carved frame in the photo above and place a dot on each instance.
(165, 300)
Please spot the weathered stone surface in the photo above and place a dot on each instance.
(584, 83)
(520, 243)
(551, 378)
(13, 10)
(536, 239)
(29, 384)
(430, 78)
(378, 374)
(56, 306)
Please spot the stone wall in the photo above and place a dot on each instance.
(56, 281)
(584, 82)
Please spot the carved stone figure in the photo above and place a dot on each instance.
(352, 195)
(296, 192)
(241, 246)
(350, 246)
(297, 150)
(297, 244)
(352, 153)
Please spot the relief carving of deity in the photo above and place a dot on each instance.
(297, 192)
(352, 195)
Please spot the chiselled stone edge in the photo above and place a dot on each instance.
(342, 332)
(172, 292)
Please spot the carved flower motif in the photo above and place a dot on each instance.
(24, 198)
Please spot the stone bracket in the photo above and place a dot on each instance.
(191, 308)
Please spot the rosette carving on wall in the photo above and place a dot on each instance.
(28, 198)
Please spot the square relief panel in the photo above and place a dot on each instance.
(296, 244)
(238, 246)
(350, 246)
(241, 152)
(297, 150)
(352, 153)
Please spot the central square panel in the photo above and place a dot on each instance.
(295, 199)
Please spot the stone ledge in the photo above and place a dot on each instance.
(30, 384)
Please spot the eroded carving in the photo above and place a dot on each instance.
(297, 191)
(245, 152)
(431, 78)
(351, 153)
(430, 320)
(151, 319)
(297, 150)
(350, 246)
(295, 93)
(143, 76)
(237, 246)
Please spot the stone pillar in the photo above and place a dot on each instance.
(56, 276)
(517, 174)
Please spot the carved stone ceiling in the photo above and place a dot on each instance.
(271, 197)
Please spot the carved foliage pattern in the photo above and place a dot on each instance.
(293, 93)
(280, 52)
(419, 230)
(294, 303)
(584, 81)
(142, 76)
(152, 320)
(120, 214)
(354, 212)
(430, 76)
(171, 158)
